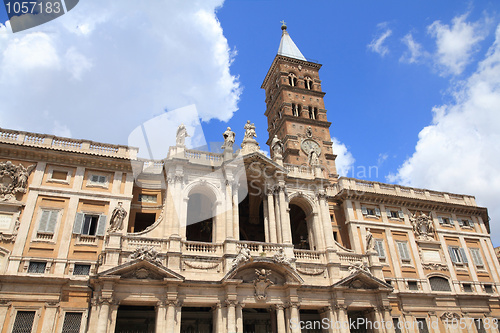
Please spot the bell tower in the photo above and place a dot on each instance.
(295, 109)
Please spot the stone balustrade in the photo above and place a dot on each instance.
(202, 248)
(299, 171)
(131, 243)
(308, 255)
(364, 186)
(66, 144)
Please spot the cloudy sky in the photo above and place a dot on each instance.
(413, 87)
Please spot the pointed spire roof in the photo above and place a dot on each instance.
(287, 46)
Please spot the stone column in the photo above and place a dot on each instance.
(325, 218)
(236, 216)
(386, 315)
(229, 211)
(280, 317)
(4, 308)
(161, 317)
(342, 318)
(231, 316)
(239, 318)
(113, 311)
(169, 319)
(285, 218)
(377, 317)
(272, 216)
(277, 214)
(49, 317)
(102, 323)
(217, 318)
(294, 317)
(266, 220)
(171, 218)
(178, 317)
(328, 313)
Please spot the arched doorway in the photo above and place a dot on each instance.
(200, 217)
(251, 219)
(299, 228)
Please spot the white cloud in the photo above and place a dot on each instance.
(106, 67)
(344, 161)
(456, 43)
(377, 44)
(414, 52)
(459, 152)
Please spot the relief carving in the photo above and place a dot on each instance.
(281, 258)
(146, 253)
(423, 226)
(242, 257)
(13, 179)
(261, 283)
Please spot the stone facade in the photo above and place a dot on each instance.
(94, 239)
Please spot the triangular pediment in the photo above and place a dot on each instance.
(362, 280)
(263, 159)
(142, 269)
(279, 273)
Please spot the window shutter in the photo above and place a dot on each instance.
(403, 251)
(453, 257)
(460, 222)
(44, 219)
(471, 223)
(463, 255)
(379, 246)
(51, 226)
(377, 211)
(77, 227)
(451, 221)
(476, 257)
(101, 225)
(401, 215)
(440, 219)
(388, 212)
(364, 211)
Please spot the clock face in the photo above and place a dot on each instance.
(309, 145)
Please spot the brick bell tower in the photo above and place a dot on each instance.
(295, 109)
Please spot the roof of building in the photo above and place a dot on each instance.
(287, 46)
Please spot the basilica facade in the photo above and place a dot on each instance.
(95, 239)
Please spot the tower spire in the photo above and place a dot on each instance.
(287, 46)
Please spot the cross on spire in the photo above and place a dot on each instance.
(283, 25)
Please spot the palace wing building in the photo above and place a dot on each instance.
(94, 239)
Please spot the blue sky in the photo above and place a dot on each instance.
(411, 87)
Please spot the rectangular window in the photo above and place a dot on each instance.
(148, 198)
(59, 175)
(443, 220)
(422, 325)
(397, 325)
(371, 211)
(72, 322)
(412, 285)
(395, 214)
(488, 288)
(81, 269)
(98, 179)
(404, 254)
(37, 267)
(379, 247)
(24, 322)
(457, 255)
(48, 221)
(465, 223)
(476, 256)
(467, 287)
(89, 224)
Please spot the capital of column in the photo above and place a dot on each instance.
(5, 302)
(51, 304)
(340, 307)
(231, 303)
(293, 305)
(217, 305)
(384, 308)
(279, 306)
(325, 309)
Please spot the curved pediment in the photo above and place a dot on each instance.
(142, 269)
(279, 274)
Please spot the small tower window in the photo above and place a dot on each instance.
(292, 79)
(295, 110)
(299, 110)
(308, 83)
(315, 113)
(311, 113)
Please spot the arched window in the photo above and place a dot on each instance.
(311, 113)
(308, 83)
(292, 79)
(295, 110)
(315, 113)
(299, 110)
(200, 212)
(439, 284)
